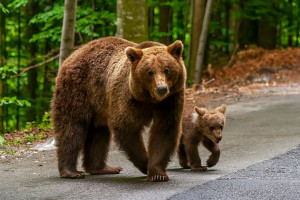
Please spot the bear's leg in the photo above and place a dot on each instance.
(131, 141)
(183, 161)
(95, 152)
(164, 136)
(193, 156)
(69, 144)
(214, 148)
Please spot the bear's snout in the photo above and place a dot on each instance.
(219, 138)
(162, 90)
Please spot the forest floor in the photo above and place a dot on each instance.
(253, 73)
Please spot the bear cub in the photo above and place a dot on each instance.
(205, 126)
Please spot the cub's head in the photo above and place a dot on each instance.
(210, 122)
(156, 71)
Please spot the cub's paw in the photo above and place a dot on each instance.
(211, 162)
(72, 174)
(202, 168)
(106, 170)
(157, 178)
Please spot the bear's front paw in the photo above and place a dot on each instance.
(202, 168)
(158, 178)
(72, 174)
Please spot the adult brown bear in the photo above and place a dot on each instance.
(111, 85)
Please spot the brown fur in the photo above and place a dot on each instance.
(106, 87)
(206, 127)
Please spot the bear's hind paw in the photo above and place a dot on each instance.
(202, 168)
(106, 170)
(72, 175)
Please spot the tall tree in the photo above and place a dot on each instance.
(68, 30)
(202, 42)
(3, 58)
(267, 26)
(165, 19)
(32, 74)
(19, 65)
(197, 16)
(298, 24)
(290, 23)
(132, 20)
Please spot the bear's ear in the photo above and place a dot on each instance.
(200, 111)
(134, 54)
(176, 49)
(222, 108)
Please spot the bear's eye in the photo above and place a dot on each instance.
(221, 127)
(167, 71)
(150, 73)
(211, 127)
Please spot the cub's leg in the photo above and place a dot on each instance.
(164, 136)
(183, 161)
(214, 148)
(95, 152)
(191, 148)
(69, 144)
(130, 140)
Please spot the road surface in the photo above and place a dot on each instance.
(254, 133)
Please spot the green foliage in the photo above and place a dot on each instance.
(4, 10)
(3, 142)
(18, 3)
(46, 122)
(14, 101)
(8, 70)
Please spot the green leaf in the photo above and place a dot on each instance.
(4, 10)
(18, 3)
(2, 140)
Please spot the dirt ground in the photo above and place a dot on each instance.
(252, 73)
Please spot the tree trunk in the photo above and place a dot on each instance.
(32, 74)
(47, 82)
(165, 19)
(197, 15)
(3, 57)
(234, 25)
(267, 33)
(290, 23)
(132, 20)
(267, 29)
(68, 30)
(227, 22)
(150, 21)
(19, 63)
(248, 32)
(202, 42)
(298, 25)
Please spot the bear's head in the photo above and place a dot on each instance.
(156, 71)
(210, 122)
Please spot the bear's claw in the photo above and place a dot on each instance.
(158, 178)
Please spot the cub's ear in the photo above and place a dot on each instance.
(133, 54)
(176, 49)
(200, 111)
(222, 108)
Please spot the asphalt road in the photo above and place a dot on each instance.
(254, 134)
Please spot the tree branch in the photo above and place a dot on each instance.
(34, 66)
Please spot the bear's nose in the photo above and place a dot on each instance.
(219, 138)
(162, 90)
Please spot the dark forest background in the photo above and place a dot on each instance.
(30, 36)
